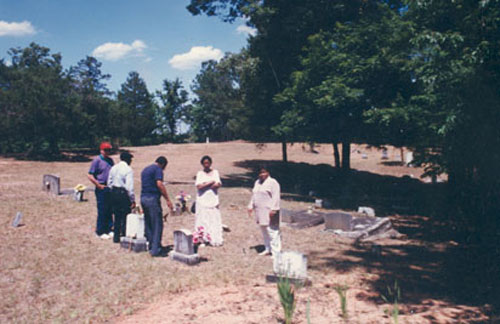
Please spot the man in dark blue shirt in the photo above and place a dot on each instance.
(151, 192)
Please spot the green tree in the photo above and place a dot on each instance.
(173, 108)
(218, 112)
(137, 110)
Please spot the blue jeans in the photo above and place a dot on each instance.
(153, 218)
(104, 212)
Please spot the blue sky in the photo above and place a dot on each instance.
(158, 38)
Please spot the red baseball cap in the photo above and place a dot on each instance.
(105, 145)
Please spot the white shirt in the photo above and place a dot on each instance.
(122, 176)
(265, 197)
(207, 197)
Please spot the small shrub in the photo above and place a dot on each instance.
(287, 298)
(342, 292)
(393, 297)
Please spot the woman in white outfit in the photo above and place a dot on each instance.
(207, 201)
(265, 202)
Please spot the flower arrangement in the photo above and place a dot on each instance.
(183, 199)
(200, 236)
(79, 187)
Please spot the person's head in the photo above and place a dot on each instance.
(105, 148)
(263, 173)
(127, 157)
(206, 162)
(162, 162)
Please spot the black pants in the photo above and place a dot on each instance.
(153, 219)
(121, 208)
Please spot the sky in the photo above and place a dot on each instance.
(159, 39)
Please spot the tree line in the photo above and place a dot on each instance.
(420, 74)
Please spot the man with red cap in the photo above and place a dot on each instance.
(98, 175)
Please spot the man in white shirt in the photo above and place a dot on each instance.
(121, 183)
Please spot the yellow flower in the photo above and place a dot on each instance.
(80, 187)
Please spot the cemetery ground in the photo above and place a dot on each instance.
(54, 269)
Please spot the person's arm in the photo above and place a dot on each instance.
(251, 204)
(275, 197)
(129, 186)
(91, 177)
(202, 185)
(217, 183)
(163, 191)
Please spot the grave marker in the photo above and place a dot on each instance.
(51, 184)
(367, 210)
(342, 221)
(184, 248)
(17, 220)
(291, 265)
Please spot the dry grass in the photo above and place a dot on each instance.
(55, 270)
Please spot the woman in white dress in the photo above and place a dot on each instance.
(207, 202)
(265, 202)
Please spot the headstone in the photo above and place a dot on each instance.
(408, 158)
(385, 155)
(337, 220)
(184, 248)
(51, 184)
(286, 215)
(135, 226)
(367, 210)
(132, 244)
(78, 195)
(318, 203)
(291, 265)
(17, 220)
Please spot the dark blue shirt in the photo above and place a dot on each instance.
(149, 176)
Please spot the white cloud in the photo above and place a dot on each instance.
(194, 57)
(244, 29)
(116, 51)
(23, 28)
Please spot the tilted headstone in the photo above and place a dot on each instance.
(341, 221)
(51, 184)
(17, 220)
(367, 210)
(184, 248)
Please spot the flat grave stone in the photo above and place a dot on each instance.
(338, 220)
(51, 184)
(304, 219)
(184, 248)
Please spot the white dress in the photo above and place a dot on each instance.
(207, 207)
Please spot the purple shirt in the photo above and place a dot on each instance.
(149, 176)
(100, 168)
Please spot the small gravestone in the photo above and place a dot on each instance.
(291, 265)
(318, 203)
(135, 226)
(17, 220)
(367, 210)
(78, 195)
(409, 158)
(184, 248)
(133, 244)
(51, 184)
(341, 221)
(385, 155)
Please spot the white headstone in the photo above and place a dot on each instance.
(409, 158)
(318, 203)
(183, 241)
(135, 226)
(367, 210)
(290, 264)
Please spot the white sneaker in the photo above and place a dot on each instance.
(265, 252)
(104, 236)
(111, 234)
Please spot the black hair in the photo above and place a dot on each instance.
(262, 167)
(126, 156)
(206, 157)
(161, 160)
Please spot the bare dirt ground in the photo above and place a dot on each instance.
(54, 269)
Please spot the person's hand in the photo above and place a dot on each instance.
(101, 186)
(132, 206)
(249, 213)
(170, 205)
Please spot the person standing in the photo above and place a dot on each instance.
(265, 202)
(121, 184)
(207, 202)
(98, 175)
(152, 188)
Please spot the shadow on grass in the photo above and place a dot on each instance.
(68, 155)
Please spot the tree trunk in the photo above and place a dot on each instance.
(284, 152)
(336, 154)
(346, 155)
(402, 151)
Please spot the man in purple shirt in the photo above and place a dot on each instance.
(98, 175)
(152, 189)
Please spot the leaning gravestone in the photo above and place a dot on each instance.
(51, 184)
(336, 220)
(17, 220)
(291, 265)
(184, 248)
